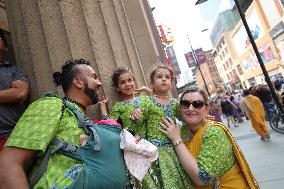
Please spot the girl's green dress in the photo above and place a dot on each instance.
(166, 172)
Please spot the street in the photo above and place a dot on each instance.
(265, 158)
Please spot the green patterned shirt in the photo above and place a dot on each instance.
(37, 127)
(216, 156)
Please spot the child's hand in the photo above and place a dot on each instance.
(83, 139)
(103, 100)
(143, 89)
(136, 114)
(138, 138)
(138, 91)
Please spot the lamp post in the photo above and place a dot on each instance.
(197, 64)
(264, 71)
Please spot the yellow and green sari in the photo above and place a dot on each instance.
(219, 156)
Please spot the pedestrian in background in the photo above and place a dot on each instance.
(228, 110)
(279, 91)
(237, 110)
(253, 108)
(215, 110)
(14, 89)
(264, 94)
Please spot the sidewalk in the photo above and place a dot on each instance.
(265, 158)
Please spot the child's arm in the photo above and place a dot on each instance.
(103, 106)
(143, 89)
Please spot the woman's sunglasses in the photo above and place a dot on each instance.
(197, 104)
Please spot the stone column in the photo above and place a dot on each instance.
(109, 33)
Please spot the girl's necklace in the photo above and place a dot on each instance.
(129, 101)
(162, 97)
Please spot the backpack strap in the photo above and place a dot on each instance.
(65, 148)
(85, 123)
(43, 164)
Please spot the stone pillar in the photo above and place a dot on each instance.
(109, 33)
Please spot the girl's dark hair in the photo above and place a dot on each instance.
(68, 71)
(246, 92)
(277, 86)
(160, 66)
(196, 89)
(117, 73)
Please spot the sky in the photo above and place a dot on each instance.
(187, 19)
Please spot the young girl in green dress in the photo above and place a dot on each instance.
(124, 84)
(166, 172)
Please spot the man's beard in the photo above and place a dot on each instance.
(91, 93)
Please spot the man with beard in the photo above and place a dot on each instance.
(14, 90)
(46, 119)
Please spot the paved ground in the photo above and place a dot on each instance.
(266, 159)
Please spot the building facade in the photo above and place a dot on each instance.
(260, 21)
(213, 71)
(234, 55)
(204, 79)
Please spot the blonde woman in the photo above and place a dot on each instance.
(211, 156)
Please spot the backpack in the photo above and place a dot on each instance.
(98, 155)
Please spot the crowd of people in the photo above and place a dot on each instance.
(251, 104)
(66, 149)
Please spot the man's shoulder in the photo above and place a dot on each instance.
(16, 68)
(50, 101)
(17, 73)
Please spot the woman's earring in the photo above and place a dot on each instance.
(209, 117)
(204, 119)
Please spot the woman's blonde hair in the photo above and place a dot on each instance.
(196, 89)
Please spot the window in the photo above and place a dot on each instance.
(252, 81)
(226, 49)
(228, 76)
(240, 70)
(223, 53)
(227, 64)
(231, 62)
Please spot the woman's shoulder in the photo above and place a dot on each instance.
(216, 134)
(215, 129)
